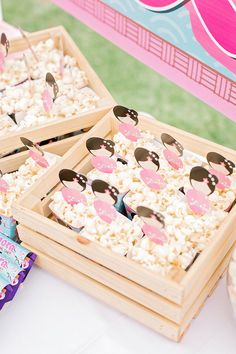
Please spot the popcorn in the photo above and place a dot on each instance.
(188, 233)
(75, 96)
(118, 236)
(21, 180)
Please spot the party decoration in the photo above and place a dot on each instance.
(204, 184)
(154, 224)
(4, 47)
(52, 85)
(35, 152)
(149, 161)
(4, 186)
(221, 168)
(102, 151)
(107, 196)
(49, 93)
(75, 184)
(173, 152)
(128, 119)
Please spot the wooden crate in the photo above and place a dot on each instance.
(171, 296)
(50, 130)
(123, 303)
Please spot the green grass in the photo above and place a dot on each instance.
(130, 82)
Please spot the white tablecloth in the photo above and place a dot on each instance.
(49, 316)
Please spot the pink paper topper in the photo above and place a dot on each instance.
(107, 196)
(47, 100)
(4, 186)
(103, 163)
(173, 159)
(197, 201)
(154, 224)
(174, 150)
(223, 181)
(221, 167)
(154, 234)
(152, 179)
(105, 211)
(2, 62)
(129, 131)
(73, 196)
(39, 159)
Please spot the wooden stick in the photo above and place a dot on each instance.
(62, 61)
(28, 43)
(28, 73)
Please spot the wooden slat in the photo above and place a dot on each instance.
(122, 303)
(108, 296)
(181, 315)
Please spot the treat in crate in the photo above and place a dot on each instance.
(46, 84)
(145, 202)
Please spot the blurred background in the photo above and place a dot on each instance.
(130, 82)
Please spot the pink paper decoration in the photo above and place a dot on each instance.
(154, 234)
(173, 159)
(197, 201)
(103, 163)
(129, 131)
(4, 186)
(73, 196)
(39, 159)
(152, 179)
(224, 181)
(2, 61)
(105, 211)
(47, 100)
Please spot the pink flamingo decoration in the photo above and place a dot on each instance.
(217, 18)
